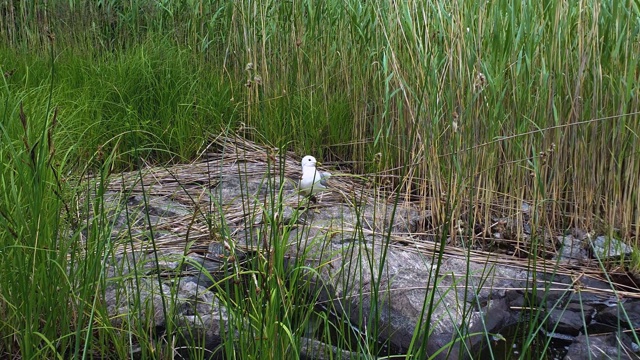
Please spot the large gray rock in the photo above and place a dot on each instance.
(374, 265)
(466, 294)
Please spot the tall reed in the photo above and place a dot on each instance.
(480, 108)
(520, 81)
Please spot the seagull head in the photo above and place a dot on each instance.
(308, 161)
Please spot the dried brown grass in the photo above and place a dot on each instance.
(192, 186)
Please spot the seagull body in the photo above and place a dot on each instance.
(312, 181)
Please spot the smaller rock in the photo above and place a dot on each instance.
(140, 299)
(615, 316)
(608, 248)
(204, 330)
(601, 347)
(569, 320)
(571, 249)
(194, 299)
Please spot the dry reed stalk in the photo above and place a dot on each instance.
(191, 184)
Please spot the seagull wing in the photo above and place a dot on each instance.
(324, 176)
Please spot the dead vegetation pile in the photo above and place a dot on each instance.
(199, 186)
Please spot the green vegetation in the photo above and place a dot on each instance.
(464, 104)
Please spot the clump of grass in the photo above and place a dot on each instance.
(35, 244)
(142, 98)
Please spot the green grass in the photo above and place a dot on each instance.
(464, 102)
(148, 98)
(348, 81)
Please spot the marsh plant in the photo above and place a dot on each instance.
(462, 107)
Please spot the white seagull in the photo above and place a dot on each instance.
(312, 181)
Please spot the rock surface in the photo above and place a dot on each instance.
(603, 347)
(604, 248)
(201, 216)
